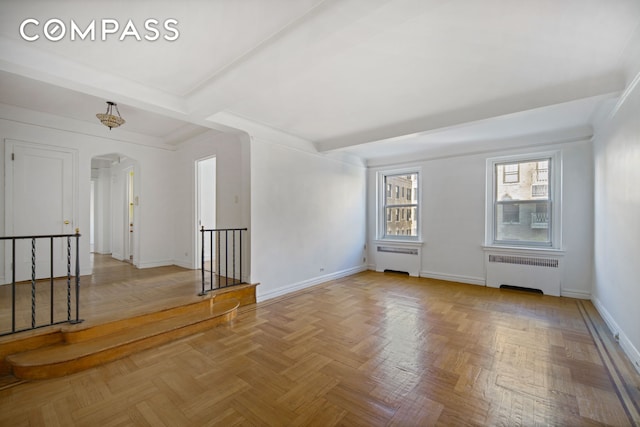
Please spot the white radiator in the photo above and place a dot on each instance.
(541, 272)
(396, 257)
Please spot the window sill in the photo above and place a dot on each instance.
(525, 250)
(399, 242)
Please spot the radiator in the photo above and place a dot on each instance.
(542, 273)
(398, 258)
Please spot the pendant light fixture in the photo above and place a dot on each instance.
(108, 119)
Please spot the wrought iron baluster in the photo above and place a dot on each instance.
(211, 255)
(68, 278)
(33, 282)
(218, 256)
(13, 285)
(77, 276)
(233, 234)
(226, 258)
(202, 258)
(51, 277)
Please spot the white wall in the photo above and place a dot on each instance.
(616, 289)
(307, 218)
(453, 215)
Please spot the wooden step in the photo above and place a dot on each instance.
(83, 332)
(97, 345)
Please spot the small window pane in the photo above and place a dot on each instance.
(523, 222)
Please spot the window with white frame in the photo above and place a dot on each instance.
(398, 209)
(523, 200)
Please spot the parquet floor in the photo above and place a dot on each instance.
(369, 350)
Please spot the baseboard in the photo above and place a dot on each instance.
(153, 264)
(575, 293)
(480, 281)
(183, 264)
(627, 346)
(310, 282)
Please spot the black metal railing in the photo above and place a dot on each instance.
(221, 257)
(72, 291)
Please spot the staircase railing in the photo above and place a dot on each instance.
(36, 306)
(224, 264)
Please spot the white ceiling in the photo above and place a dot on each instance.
(373, 78)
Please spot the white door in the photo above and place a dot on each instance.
(39, 201)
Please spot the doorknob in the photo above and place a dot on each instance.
(66, 222)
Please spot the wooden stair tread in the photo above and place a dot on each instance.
(67, 357)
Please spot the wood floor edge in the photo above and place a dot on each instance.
(619, 373)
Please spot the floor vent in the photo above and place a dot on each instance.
(536, 262)
(406, 273)
(520, 288)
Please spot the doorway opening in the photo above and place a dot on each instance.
(205, 210)
(130, 198)
(114, 215)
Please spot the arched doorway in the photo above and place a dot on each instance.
(115, 182)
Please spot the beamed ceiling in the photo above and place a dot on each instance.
(372, 78)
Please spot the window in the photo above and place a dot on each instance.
(511, 173)
(399, 211)
(523, 201)
(542, 171)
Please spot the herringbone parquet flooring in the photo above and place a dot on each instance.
(369, 350)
